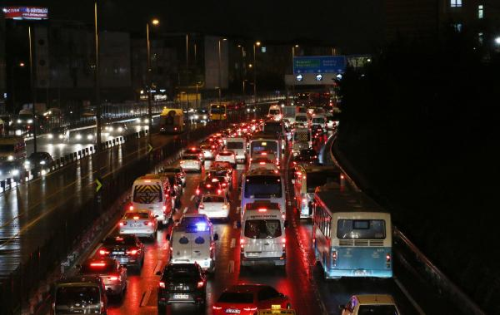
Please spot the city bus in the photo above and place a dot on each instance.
(352, 235)
(218, 111)
(269, 143)
(263, 185)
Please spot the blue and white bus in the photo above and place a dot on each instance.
(263, 185)
(352, 235)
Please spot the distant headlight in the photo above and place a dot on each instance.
(50, 136)
(27, 163)
(10, 158)
(42, 162)
(78, 137)
(61, 136)
(196, 117)
(15, 172)
(19, 121)
(90, 137)
(19, 132)
(146, 121)
(30, 121)
(205, 117)
(120, 129)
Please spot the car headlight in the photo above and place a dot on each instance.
(10, 158)
(19, 121)
(50, 136)
(15, 172)
(19, 132)
(78, 137)
(30, 121)
(61, 136)
(42, 162)
(90, 137)
(120, 129)
(146, 121)
(196, 117)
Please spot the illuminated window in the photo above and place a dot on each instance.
(480, 11)
(456, 3)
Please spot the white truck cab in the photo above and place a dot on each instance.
(263, 238)
(152, 192)
(193, 240)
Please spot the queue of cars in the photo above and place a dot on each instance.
(262, 149)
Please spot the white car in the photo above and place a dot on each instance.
(214, 206)
(226, 156)
(142, 223)
(262, 162)
(191, 163)
(370, 304)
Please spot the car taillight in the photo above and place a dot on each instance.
(165, 207)
(103, 252)
(388, 260)
(224, 207)
(283, 240)
(262, 163)
(219, 191)
(242, 241)
(197, 191)
(147, 223)
(224, 184)
(131, 207)
(123, 223)
(254, 308)
(132, 252)
(201, 206)
(162, 284)
(216, 308)
(114, 278)
(200, 284)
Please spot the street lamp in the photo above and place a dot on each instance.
(293, 85)
(33, 89)
(220, 70)
(497, 41)
(257, 43)
(154, 22)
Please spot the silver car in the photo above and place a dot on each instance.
(214, 206)
(191, 163)
(139, 222)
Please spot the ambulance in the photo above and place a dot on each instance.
(152, 192)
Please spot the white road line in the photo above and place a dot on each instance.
(192, 197)
(157, 268)
(185, 210)
(146, 297)
(408, 296)
(231, 266)
(233, 242)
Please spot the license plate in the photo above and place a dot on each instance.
(135, 225)
(232, 311)
(181, 296)
(253, 254)
(360, 272)
(118, 253)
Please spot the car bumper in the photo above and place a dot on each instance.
(205, 264)
(127, 261)
(255, 261)
(215, 214)
(339, 273)
(180, 297)
(114, 289)
(138, 233)
(191, 167)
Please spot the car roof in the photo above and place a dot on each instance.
(371, 299)
(246, 288)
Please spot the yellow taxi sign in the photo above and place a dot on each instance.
(277, 311)
(276, 307)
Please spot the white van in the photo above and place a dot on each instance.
(193, 240)
(275, 113)
(263, 237)
(319, 120)
(152, 192)
(12, 149)
(239, 147)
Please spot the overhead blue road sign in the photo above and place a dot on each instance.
(319, 64)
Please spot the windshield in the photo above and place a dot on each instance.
(273, 127)
(234, 145)
(119, 240)
(77, 295)
(216, 109)
(361, 229)
(301, 118)
(147, 194)
(318, 120)
(263, 187)
(136, 216)
(180, 272)
(260, 146)
(377, 310)
(262, 229)
(236, 297)
(302, 136)
(190, 157)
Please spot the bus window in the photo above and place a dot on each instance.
(263, 187)
(216, 109)
(361, 229)
(259, 146)
(259, 229)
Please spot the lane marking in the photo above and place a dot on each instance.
(409, 297)
(145, 299)
(233, 242)
(185, 210)
(192, 197)
(158, 267)
(231, 266)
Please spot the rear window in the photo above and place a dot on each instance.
(134, 215)
(319, 120)
(97, 268)
(377, 310)
(213, 199)
(147, 194)
(274, 111)
(274, 127)
(177, 272)
(236, 297)
(77, 295)
(262, 229)
(119, 240)
(234, 145)
(301, 118)
(361, 229)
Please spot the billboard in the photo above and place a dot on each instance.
(319, 64)
(26, 13)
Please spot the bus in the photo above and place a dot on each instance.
(218, 111)
(12, 148)
(263, 185)
(352, 235)
(266, 143)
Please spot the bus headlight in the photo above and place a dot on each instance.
(50, 136)
(78, 137)
(60, 137)
(30, 121)
(10, 158)
(15, 172)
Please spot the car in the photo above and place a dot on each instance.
(214, 206)
(222, 165)
(128, 250)
(139, 222)
(39, 160)
(247, 299)
(12, 169)
(59, 134)
(113, 275)
(209, 151)
(178, 172)
(266, 154)
(208, 187)
(79, 295)
(191, 162)
(226, 156)
(176, 188)
(306, 156)
(223, 181)
(218, 172)
(194, 151)
(370, 304)
(262, 162)
(202, 115)
(182, 283)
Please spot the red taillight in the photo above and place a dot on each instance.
(162, 284)
(197, 191)
(283, 240)
(224, 184)
(254, 308)
(132, 252)
(242, 241)
(114, 278)
(131, 207)
(98, 264)
(262, 163)
(165, 207)
(103, 252)
(262, 209)
(216, 308)
(200, 284)
(388, 258)
(123, 223)
(136, 218)
(201, 206)
(219, 191)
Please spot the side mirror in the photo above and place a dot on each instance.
(168, 237)
(216, 237)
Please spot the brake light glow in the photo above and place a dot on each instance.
(262, 163)
(208, 185)
(98, 264)
(200, 284)
(202, 206)
(219, 191)
(197, 191)
(388, 258)
(162, 284)
(136, 217)
(262, 209)
(114, 278)
(250, 308)
(103, 252)
(147, 223)
(165, 207)
(131, 208)
(123, 223)
(283, 240)
(216, 307)
(132, 252)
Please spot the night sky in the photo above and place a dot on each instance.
(352, 24)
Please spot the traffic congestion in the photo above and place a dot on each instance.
(235, 226)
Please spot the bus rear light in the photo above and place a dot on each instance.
(262, 209)
(114, 278)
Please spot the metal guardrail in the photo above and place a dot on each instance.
(429, 271)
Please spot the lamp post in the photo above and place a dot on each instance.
(257, 43)
(97, 83)
(154, 22)
(220, 70)
(33, 89)
(293, 85)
